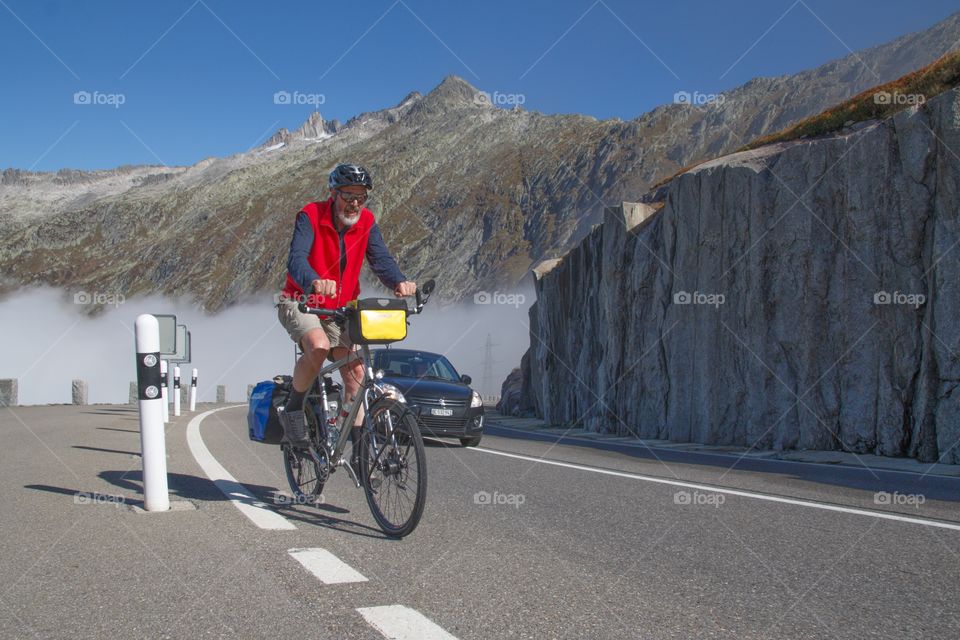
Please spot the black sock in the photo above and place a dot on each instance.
(295, 401)
(355, 433)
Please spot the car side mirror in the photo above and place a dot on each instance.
(465, 379)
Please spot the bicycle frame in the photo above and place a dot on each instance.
(367, 385)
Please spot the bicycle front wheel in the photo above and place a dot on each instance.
(393, 467)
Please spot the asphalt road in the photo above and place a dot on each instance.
(521, 538)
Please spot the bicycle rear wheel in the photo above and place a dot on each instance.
(307, 471)
(393, 467)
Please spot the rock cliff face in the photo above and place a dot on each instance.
(802, 295)
(466, 191)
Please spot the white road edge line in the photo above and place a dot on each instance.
(258, 512)
(398, 622)
(647, 447)
(326, 567)
(732, 492)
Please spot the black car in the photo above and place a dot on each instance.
(446, 404)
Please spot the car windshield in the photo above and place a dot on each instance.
(416, 364)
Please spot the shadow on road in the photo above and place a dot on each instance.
(122, 414)
(127, 453)
(310, 516)
(131, 480)
(194, 488)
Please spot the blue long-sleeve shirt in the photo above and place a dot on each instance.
(378, 256)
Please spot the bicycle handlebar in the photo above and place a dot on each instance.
(340, 314)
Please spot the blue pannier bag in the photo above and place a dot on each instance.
(263, 425)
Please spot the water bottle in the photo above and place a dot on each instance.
(331, 394)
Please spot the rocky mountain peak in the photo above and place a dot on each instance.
(413, 96)
(453, 93)
(313, 128)
(281, 137)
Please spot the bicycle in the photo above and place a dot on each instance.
(392, 459)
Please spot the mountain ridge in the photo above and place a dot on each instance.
(465, 190)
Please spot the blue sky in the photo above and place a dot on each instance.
(197, 78)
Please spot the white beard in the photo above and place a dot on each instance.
(348, 221)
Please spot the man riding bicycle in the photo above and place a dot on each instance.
(329, 243)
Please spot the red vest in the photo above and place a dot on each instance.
(325, 254)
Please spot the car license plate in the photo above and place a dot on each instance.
(441, 412)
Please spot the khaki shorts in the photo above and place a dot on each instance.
(298, 324)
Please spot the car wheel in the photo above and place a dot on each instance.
(470, 442)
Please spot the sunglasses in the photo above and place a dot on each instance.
(360, 198)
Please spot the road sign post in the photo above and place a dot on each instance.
(174, 347)
(181, 352)
(153, 447)
(163, 391)
(193, 391)
(168, 333)
(176, 391)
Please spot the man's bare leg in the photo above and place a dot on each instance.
(352, 374)
(315, 347)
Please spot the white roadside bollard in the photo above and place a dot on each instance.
(163, 391)
(176, 391)
(153, 446)
(193, 391)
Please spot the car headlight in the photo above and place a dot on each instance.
(391, 391)
(476, 401)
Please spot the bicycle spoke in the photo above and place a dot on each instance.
(394, 468)
(305, 475)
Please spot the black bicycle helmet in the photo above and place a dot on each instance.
(350, 175)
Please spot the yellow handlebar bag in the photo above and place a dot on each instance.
(378, 321)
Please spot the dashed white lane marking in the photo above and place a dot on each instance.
(328, 568)
(398, 622)
(258, 512)
(883, 515)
